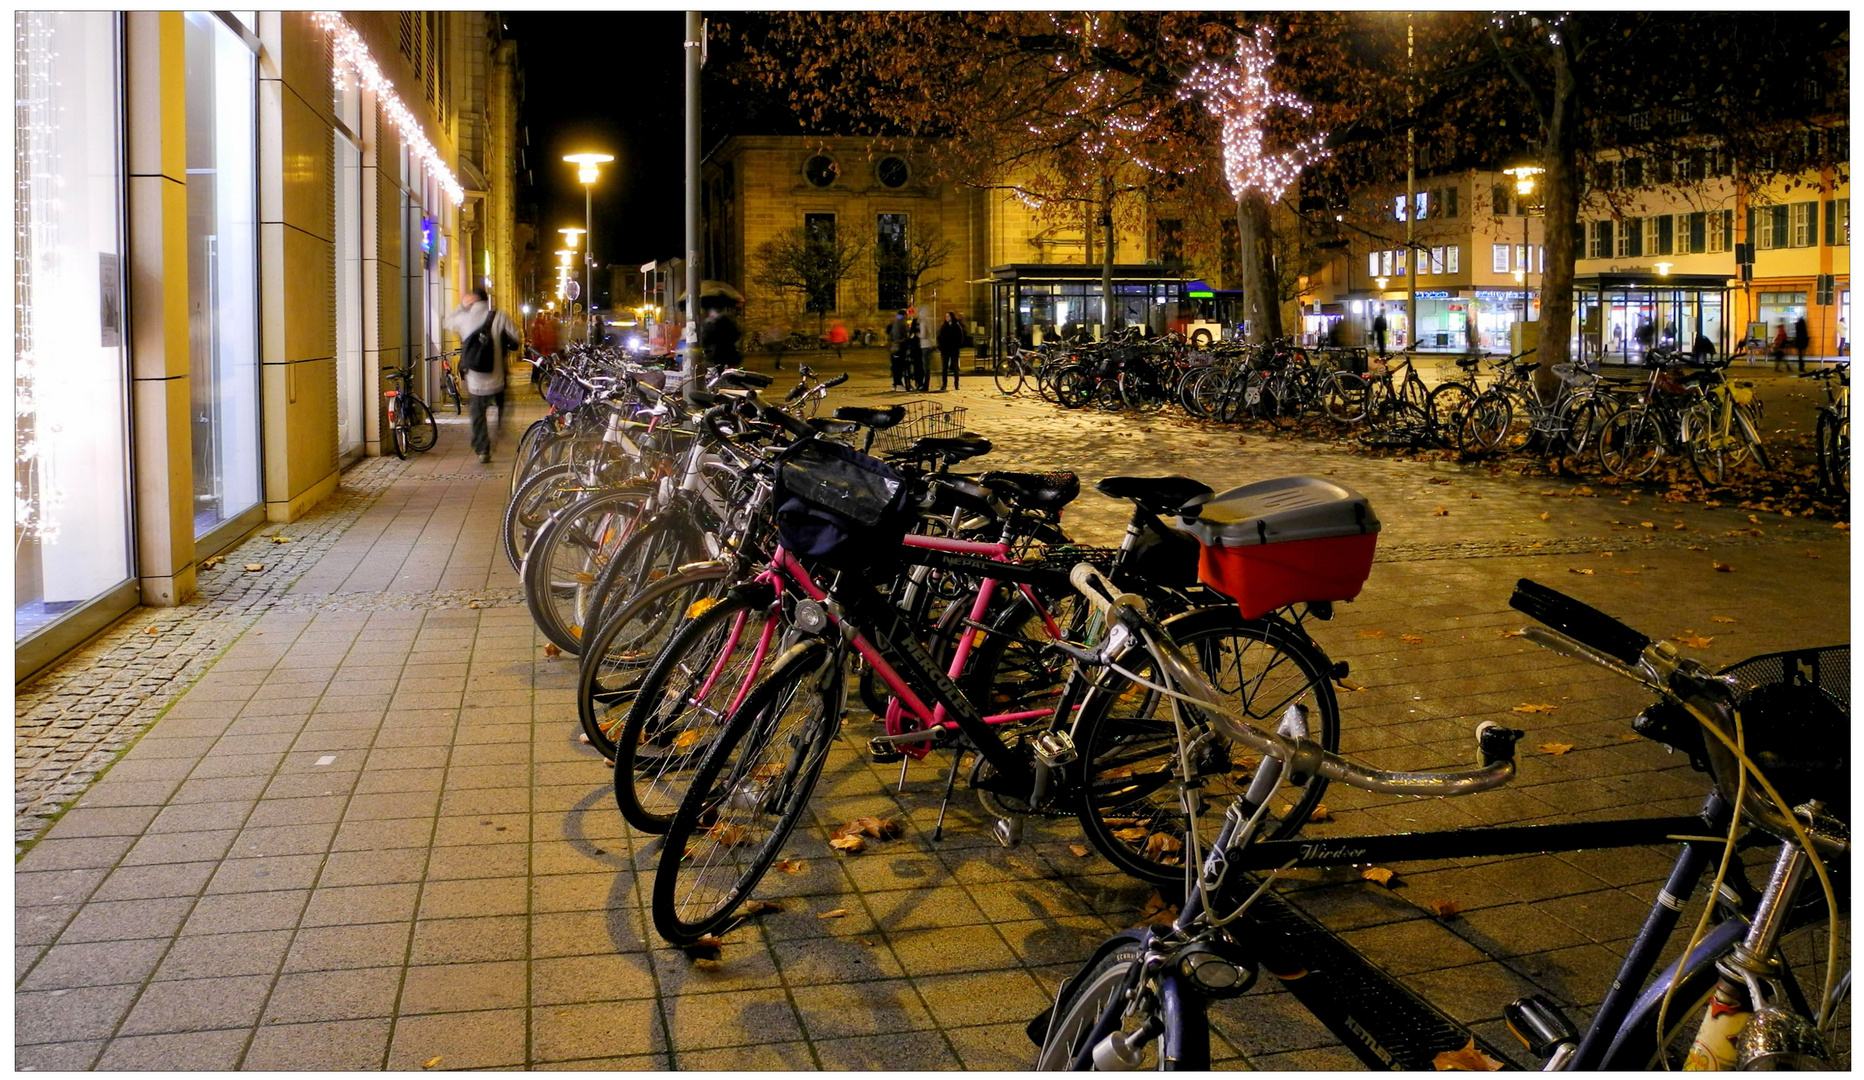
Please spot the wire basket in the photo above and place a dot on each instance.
(924, 420)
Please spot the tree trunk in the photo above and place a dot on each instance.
(1106, 256)
(1261, 290)
(1559, 215)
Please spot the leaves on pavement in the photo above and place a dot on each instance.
(1378, 875)
(1555, 748)
(1529, 708)
(1468, 1059)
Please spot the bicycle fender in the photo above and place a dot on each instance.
(1037, 1028)
(1642, 1017)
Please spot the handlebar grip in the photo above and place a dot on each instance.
(1093, 585)
(795, 392)
(836, 381)
(1581, 622)
(711, 417)
(787, 422)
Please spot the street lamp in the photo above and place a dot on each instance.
(1524, 187)
(588, 168)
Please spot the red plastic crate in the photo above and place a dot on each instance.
(1263, 577)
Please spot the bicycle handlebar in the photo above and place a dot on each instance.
(1494, 743)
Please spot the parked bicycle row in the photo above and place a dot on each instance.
(730, 571)
(1682, 410)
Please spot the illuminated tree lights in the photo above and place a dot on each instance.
(353, 56)
(1236, 90)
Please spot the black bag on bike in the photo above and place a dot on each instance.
(838, 506)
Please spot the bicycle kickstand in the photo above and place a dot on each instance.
(951, 781)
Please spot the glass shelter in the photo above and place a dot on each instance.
(1036, 302)
(1619, 316)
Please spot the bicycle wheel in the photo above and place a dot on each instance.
(1141, 393)
(623, 647)
(1008, 372)
(681, 704)
(1448, 404)
(450, 386)
(1087, 997)
(1345, 399)
(1585, 424)
(1484, 426)
(1206, 392)
(747, 795)
(423, 431)
(521, 458)
(399, 437)
(1834, 446)
(541, 495)
(1747, 428)
(1631, 443)
(1712, 452)
(1074, 388)
(567, 558)
(1414, 391)
(1129, 799)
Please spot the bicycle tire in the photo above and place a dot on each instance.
(1485, 424)
(1346, 397)
(399, 439)
(450, 386)
(423, 429)
(567, 557)
(1008, 374)
(659, 547)
(1084, 1000)
(1127, 793)
(1834, 452)
(1447, 406)
(681, 704)
(1711, 454)
(1074, 388)
(1631, 443)
(624, 646)
(1585, 421)
(749, 792)
(541, 495)
(1747, 426)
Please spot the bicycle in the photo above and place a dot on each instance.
(410, 422)
(1833, 433)
(1143, 997)
(1723, 431)
(449, 382)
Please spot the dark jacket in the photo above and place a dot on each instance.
(719, 338)
(950, 337)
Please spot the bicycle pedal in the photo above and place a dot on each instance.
(1008, 831)
(1540, 1025)
(881, 752)
(1053, 748)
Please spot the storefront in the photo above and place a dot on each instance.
(1497, 312)
(73, 570)
(1034, 302)
(1442, 321)
(1619, 316)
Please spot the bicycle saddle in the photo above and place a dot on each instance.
(833, 427)
(1036, 491)
(750, 380)
(960, 447)
(1469, 363)
(1158, 494)
(949, 491)
(878, 419)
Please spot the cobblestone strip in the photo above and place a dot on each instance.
(72, 721)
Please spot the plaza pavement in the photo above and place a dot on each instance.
(367, 835)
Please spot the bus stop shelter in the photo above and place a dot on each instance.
(1610, 309)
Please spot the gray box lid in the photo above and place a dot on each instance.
(1285, 509)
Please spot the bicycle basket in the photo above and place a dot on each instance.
(838, 506)
(564, 393)
(1796, 716)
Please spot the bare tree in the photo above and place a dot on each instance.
(811, 263)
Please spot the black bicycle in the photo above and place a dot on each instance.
(1754, 987)
(410, 423)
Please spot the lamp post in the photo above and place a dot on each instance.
(588, 168)
(1524, 187)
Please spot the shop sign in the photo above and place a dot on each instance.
(1433, 294)
(1500, 294)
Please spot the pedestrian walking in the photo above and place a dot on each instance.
(1844, 339)
(486, 335)
(837, 337)
(1779, 346)
(950, 344)
(896, 348)
(718, 338)
(1702, 349)
(917, 377)
(1800, 340)
(1379, 327)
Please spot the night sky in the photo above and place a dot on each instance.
(609, 82)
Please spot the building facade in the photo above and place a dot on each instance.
(263, 221)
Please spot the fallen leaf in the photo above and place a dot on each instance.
(1536, 708)
(1629, 736)
(281, 539)
(791, 866)
(725, 835)
(1722, 568)
(1320, 813)
(865, 942)
(707, 949)
(1545, 516)
(1436, 480)
(1080, 850)
(1349, 685)
(1648, 524)
(1132, 835)
(1157, 912)
(1572, 570)
(1372, 633)
(1162, 844)
(848, 843)
(760, 907)
(701, 606)
(1442, 511)
(836, 914)
(1811, 554)
(1697, 547)
(1679, 525)
(1512, 633)
(1468, 1059)
(1378, 874)
(430, 1063)
(1555, 748)
(1720, 619)
(253, 567)
(1693, 640)
(1753, 519)
(551, 649)
(1410, 639)
(1443, 909)
(685, 739)
(211, 562)
(869, 826)
(151, 630)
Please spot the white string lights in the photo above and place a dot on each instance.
(1236, 90)
(353, 56)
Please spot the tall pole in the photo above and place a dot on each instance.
(588, 257)
(695, 42)
(1410, 194)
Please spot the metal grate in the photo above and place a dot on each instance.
(924, 420)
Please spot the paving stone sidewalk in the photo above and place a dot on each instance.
(368, 837)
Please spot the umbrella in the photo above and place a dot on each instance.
(716, 289)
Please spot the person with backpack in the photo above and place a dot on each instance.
(950, 344)
(486, 335)
(1801, 339)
